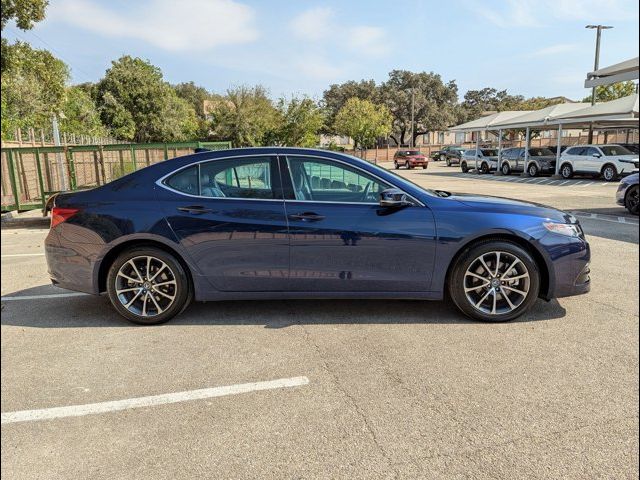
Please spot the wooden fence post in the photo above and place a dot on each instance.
(12, 179)
(40, 181)
(96, 167)
(102, 170)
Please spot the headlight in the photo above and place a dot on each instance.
(567, 229)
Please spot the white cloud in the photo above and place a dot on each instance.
(314, 24)
(554, 50)
(187, 25)
(535, 13)
(366, 40)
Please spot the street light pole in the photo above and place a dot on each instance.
(413, 106)
(596, 65)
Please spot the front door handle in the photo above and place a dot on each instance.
(195, 209)
(307, 217)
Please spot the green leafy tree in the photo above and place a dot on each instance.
(477, 102)
(80, 114)
(435, 103)
(136, 87)
(300, 122)
(246, 116)
(363, 121)
(337, 95)
(33, 88)
(606, 93)
(25, 13)
(197, 97)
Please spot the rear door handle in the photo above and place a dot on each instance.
(307, 217)
(195, 209)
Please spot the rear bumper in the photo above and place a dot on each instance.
(70, 266)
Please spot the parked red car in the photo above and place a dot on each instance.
(409, 159)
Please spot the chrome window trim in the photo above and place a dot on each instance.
(271, 156)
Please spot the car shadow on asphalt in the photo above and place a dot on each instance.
(96, 311)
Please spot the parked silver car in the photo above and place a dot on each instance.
(487, 160)
(541, 160)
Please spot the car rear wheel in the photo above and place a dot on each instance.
(148, 286)
(631, 200)
(448, 162)
(506, 169)
(484, 168)
(566, 171)
(443, 158)
(494, 281)
(609, 173)
(464, 167)
(533, 170)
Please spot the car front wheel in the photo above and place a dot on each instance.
(494, 281)
(609, 173)
(463, 167)
(448, 162)
(148, 286)
(395, 164)
(631, 200)
(407, 166)
(506, 170)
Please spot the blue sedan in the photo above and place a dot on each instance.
(286, 223)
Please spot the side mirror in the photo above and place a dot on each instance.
(597, 155)
(393, 198)
(479, 155)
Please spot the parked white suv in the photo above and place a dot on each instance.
(610, 161)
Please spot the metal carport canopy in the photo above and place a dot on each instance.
(616, 113)
(540, 118)
(620, 72)
(487, 122)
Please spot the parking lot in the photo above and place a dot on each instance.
(357, 389)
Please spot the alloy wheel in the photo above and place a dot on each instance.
(496, 283)
(146, 286)
(609, 173)
(632, 201)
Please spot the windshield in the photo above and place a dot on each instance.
(540, 152)
(611, 150)
(411, 152)
(489, 152)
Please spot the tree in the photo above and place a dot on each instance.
(25, 13)
(133, 93)
(196, 96)
(80, 114)
(337, 95)
(434, 103)
(246, 116)
(300, 122)
(363, 121)
(606, 93)
(477, 102)
(537, 103)
(33, 88)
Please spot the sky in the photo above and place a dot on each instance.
(529, 47)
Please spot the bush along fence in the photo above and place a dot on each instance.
(30, 175)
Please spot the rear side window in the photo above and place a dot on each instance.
(237, 178)
(185, 181)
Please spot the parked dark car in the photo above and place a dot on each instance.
(633, 147)
(627, 194)
(285, 223)
(541, 161)
(452, 154)
(409, 159)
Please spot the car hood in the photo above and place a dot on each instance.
(508, 205)
(633, 158)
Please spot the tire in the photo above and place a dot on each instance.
(448, 162)
(424, 167)
(533, 170)
(609, 172)
(566, 170)
(484, 168)
(407, 166)
(167, 302)
(463, 167)
(506, 169)
(631, 200)
(395, 164)
(444, 158)
(465, 299)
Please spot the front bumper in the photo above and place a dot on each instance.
(571, 266)
(621, 193)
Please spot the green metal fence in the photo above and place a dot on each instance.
(31, 174)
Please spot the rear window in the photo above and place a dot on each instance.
(489, 152)
(611, 150)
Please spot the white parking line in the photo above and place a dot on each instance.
(10, 255)
(151, 401)
(40, 297)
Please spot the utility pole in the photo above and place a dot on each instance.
(596, 65)
(413, 106)
(59, 164)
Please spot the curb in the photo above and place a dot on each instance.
(15, 220)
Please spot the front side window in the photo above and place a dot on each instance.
(324, 180)
(613, 150)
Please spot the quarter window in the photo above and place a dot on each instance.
(185, 181)
(327, 181)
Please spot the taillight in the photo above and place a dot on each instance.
(61, 214)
